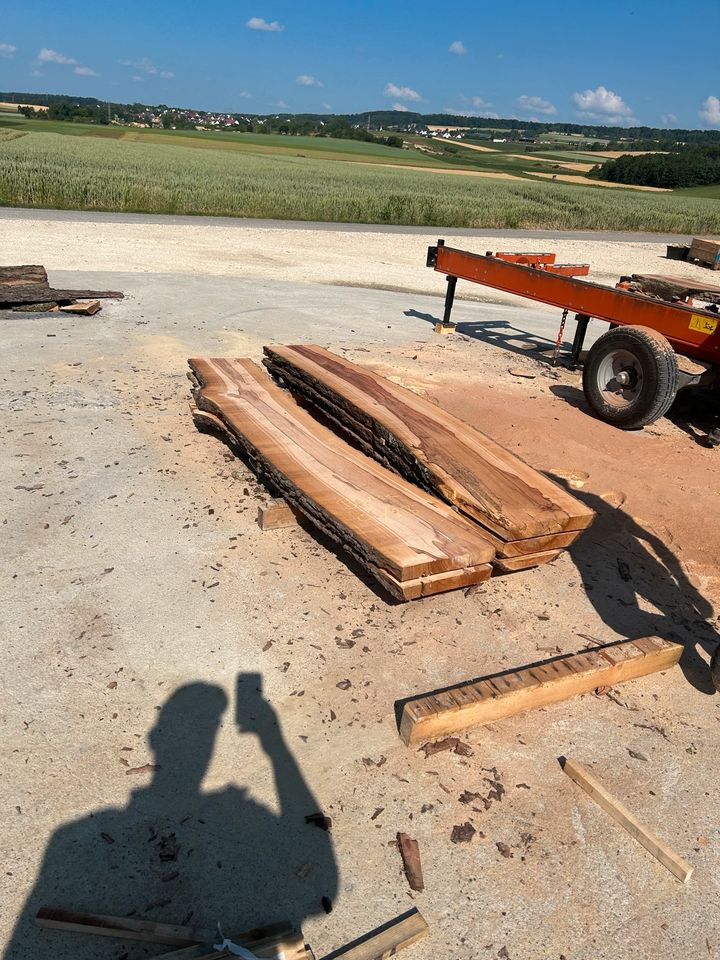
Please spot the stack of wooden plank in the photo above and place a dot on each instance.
(527, 517)
(706, 250)
(409, 540)
(27, 287)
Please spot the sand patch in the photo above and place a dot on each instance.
(569, 178)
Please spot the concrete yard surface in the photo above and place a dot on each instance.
(181, 689)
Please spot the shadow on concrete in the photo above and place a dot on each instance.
(501, 333)
(625, 569)
(182, 855)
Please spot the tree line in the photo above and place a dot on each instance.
(690, 167)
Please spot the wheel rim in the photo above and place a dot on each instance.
(620, 378)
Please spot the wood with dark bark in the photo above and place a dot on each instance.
(410, 853)
(668, 287)
(37, 293)
(503, 695)
(385, 941)
(23, 275)
(410, 541)
(435, 450)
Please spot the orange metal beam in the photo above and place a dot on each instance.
(692, 332)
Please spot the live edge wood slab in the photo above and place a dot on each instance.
(526, 516)
(411, 542)
(537, 685)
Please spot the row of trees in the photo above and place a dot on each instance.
(689, 167)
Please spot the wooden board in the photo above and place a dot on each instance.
(706, 251)
(431, 448)
(276, 515)
(407, 539)
(525, 562)
(23, 275)
(385, 941)
(259, 939)
(41, 293)
(287, 944)
(503, 695)
(619, 812)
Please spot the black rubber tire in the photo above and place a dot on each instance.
(658, 363)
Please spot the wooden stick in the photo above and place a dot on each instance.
(619, 812)
(537, 685)
(285, 944)
(386, 940)
(128, 928)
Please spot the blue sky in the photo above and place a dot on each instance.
(615, 62)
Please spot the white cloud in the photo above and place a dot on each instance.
(245, 95)
(138, 79)
(37, 73)
(458, 47)
(306, 80)
(257, 23)
(401, 107)
(668, 119)
(402, 93)
(52, 56)
(536, 105)
(146, 68)
(327, 106)
(710, 112)
(46, 55)
(282, 104)
(7, 51)
(603, 104)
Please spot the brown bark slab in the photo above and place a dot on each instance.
(435, 450)
(407, 539)
(11, 294)
(23, 275)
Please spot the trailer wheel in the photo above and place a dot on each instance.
(630, 377)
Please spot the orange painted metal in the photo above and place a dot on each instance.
(694, 333)
(529, 259)
(568, 269)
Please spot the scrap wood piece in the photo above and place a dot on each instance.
(385, 941)
(285, 944)
(277, 514)
(409, 541)
(503, 695)
(259, 939)
(23, 275)
(410, 853)
(42, 293)
(87, 309)
(433, 449)
(618, 811)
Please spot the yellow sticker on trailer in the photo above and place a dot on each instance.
(703, 324)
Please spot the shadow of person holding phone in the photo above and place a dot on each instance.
(179, 854)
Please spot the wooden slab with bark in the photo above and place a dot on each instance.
(495, 697)
(435, 450)
(23, 275)
(410, 541)
(12, 294)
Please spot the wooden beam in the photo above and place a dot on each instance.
(619, 812)
(276, 514)
(526, 688)
(386, 940)
(408, 540)
(435, 450)
(285, 944)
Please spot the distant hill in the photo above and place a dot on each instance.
(94, 110)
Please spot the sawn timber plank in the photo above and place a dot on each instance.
(434, 449)
(410, 541)
(494, 698)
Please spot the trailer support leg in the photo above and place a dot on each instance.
(580, 330)
(447, 326)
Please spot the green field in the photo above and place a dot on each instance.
(71, 166)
